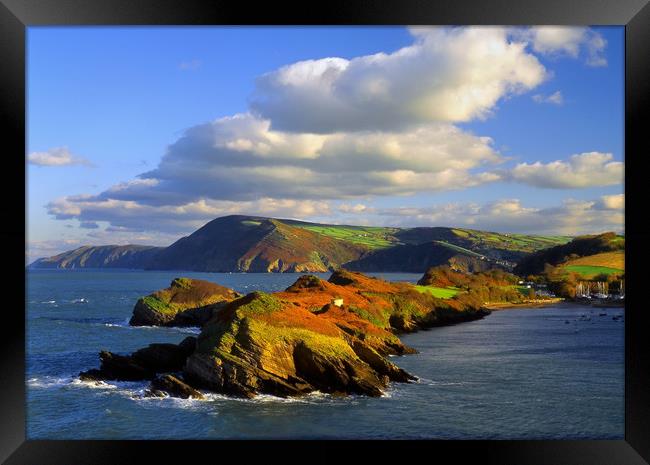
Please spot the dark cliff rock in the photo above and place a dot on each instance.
(169, 385)
(143, 364)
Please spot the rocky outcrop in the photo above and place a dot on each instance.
(169, 385)
(143, 364)
(260, 343)
(331, 336)
(119, 368)
(186, 302)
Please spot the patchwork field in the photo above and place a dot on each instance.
(372, 237)
(602, 263)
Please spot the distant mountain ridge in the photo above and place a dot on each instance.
(240, 243)
(103, 256)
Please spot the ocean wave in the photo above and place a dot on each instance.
(48, 381)
(181, 329)
(136, 391)
(430, 382)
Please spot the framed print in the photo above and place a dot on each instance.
(366, 225)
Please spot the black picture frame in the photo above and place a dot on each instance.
(16, 15)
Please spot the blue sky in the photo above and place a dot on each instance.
(132, 139)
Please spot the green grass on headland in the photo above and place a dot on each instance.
(440, 292)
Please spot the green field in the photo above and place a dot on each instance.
(514, 242)
(588, 271)
(440, 292)
(372, 237)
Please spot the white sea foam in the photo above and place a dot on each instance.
(183, 329)
(45, 382)
(430, 382)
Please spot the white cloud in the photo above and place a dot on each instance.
(58, 156)
(48, 248)
(446, 75)
(611, 202)
(581, 170)
(509, 215)
(133, 217)
(568, 41)
(555, 98)
(321, 130)
(241, 158)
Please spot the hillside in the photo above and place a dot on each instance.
(575, 253)
(104, 256)
(603, 263)
(239, 243)
(251, 244)
(418, 258)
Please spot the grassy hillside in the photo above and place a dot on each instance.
(258, 244)
(569, 255)
(603, 263)
(369, 236)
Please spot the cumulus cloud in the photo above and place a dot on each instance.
(133, 217)
(510, 215)
(338, 129)
(241, 158)
(568, 41)
(581, 170)
(555, 98)
(446, 75)
(58, 156)
(611, 202)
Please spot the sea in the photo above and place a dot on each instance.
(545, 373)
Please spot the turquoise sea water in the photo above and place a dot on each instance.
(522, 373)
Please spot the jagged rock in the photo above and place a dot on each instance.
(186, 302)
(143, 364)
(172, 386)
(379, 363)
(117, 367)
(165, 357)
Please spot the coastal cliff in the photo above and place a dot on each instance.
(330, 336)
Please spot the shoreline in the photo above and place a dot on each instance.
(532, 304)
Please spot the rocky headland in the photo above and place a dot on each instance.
(332, 336)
